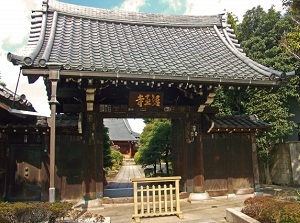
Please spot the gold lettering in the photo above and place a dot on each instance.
(140, 100)
(147, 100)
(155, 100)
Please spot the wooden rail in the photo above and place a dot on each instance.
(156, 196)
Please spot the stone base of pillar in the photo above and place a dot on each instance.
(198, 197)
(231, 195)
(89, 204)
(258, 194)
(51, 194)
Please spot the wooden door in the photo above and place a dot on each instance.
(227, 163)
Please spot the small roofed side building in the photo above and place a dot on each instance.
(24, 143)
(122, 137)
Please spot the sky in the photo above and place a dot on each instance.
(15, 27)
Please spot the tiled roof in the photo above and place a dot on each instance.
(237, 123)
(119, 130)
(9, 118)
(9, 100)
(119, 44)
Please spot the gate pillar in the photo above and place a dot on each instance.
(93, 176)
(188, 153)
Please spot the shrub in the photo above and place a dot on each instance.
(116, 158)
(267, 209)
(33, 212)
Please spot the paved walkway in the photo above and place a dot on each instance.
(206, 211)
(121, 186)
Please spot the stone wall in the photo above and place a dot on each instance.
(295, 161)
(286, 169)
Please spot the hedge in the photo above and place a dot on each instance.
(34, 212)
(267, 209)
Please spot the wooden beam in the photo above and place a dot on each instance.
(145, 77)
(70, 93)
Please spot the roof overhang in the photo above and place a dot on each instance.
(145, 77)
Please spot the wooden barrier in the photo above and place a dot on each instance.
(156, 196)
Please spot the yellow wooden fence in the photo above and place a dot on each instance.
(156, 196)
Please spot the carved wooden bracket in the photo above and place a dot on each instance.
(90, 98)
(210, 98)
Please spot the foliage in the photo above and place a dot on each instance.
(276, 105)
(44, 212)
(232, 21)
(291, 40)
(298, 196)
(106, 149)
(116, 158)
(231, 101)
(155, 143)
(137, 157)
(34, 212)
(268, 209)
(278, 113)
(260, 34)
(293, 6)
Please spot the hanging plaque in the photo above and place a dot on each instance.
(145, 99)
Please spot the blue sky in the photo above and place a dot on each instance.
(15, 27)
(148, 6)
(192, 7)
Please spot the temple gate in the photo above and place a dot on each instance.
(112, 64)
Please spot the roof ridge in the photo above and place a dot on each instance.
(127, 125)
(46, 54)
(138, 18)
(233, 42)
(268, 72)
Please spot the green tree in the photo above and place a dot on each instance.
(232, 21)
(259, 34)
(155, 144)
(231, 100)
(262, 43)
(145, 137)
(106, 149)
(291, 40)
(272, 108)
(161, 142)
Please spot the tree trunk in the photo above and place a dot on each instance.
(160, 169)
(267, 173)
(167, 168)
(167, 163)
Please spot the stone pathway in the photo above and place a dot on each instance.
(121, 186)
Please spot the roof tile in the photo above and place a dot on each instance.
(97, 39)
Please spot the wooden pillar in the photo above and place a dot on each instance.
(198, 180)
(100, 175)
(53, 77)
(89, 173)
(195, 181)
(179, 151)
(93, 176)
(255, 163)
(188, 153)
